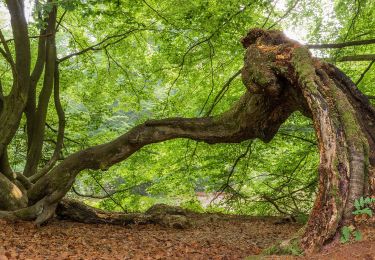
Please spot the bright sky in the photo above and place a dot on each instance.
(299, 32)
(300, 35)
(5, 18)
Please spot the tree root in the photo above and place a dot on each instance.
(161, 214)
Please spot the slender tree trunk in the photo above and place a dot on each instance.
(12, 106)
(37, 128)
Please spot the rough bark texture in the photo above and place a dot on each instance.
(161, 214)
(343, 119)
(280, 77)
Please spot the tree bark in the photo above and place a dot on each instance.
(37, 128)
(161, 214)
(13, 104)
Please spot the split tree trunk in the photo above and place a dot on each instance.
(281, 77)
(343, 119)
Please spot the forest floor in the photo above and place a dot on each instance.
(212, 236)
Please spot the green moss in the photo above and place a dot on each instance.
(304, 68)
(260, 78)
(352, 128)
(259, 65)
(103, 166)
(290, 247)
(338, 200)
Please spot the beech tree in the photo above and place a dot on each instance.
(280, 76)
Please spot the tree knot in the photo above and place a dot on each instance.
(262, 37)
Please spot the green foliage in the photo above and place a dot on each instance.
(362, 207)
(290, 247)
(68, 5)
(349, 232)
(357, 235)
(345, 234)
(193, 205)
(172, 59)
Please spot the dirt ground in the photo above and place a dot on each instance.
(211, 237)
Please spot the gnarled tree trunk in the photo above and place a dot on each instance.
(343, 119)
(280, 76)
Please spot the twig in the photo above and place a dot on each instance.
(285, 14)
(238, 159)
(364, 72)
(298, 137)
(362, 57)
(269, 14)
(222, 92)
(340, 45)
(32, 37)
(109, 195)
(105, 43)
(197, 43)
(212, 78)
(67, 138)
(60, 20)
(158, 14)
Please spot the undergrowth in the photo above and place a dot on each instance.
(362, 207)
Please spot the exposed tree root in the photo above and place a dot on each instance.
(161, 214)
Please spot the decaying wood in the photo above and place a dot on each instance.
(161, 214)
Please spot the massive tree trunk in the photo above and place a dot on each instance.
(343, 119)
(280, 77)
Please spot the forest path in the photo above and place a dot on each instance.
(213, 236)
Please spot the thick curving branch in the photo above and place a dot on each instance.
(253, 116)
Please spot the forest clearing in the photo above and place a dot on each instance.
(213, 236)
